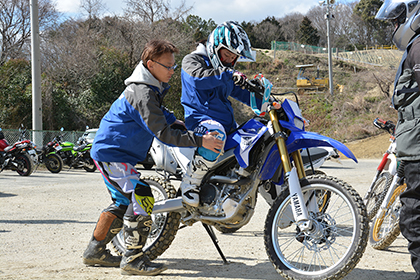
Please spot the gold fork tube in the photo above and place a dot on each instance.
(297, 158)
(284, 154)
(281, 143)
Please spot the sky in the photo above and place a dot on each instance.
(218, 10)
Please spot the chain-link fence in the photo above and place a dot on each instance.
(13, 135)
(284, 46)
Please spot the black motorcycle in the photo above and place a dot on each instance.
(49, 156)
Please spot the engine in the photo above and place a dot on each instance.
(228, 200)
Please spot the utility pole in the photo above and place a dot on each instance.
(330, 71)
(36, 75)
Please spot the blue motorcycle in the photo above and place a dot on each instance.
(316, 227)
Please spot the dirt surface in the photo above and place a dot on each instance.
(372, 147)
(47, 219)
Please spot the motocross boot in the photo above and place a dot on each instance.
(96, 253)
(190, 185)
(135, 262)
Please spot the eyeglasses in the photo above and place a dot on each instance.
(167, 67)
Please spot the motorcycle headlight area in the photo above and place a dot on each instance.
(299, 123)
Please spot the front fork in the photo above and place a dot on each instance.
(292, 175)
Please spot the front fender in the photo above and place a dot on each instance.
(300, 140)
(306, 139)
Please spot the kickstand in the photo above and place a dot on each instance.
(215, 241)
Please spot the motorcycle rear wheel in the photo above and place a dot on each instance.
(90, 165)
(385, 229)
(54, 163)
(165, 225)
(337, 242)
(25, 165)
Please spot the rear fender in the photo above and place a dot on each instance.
(300, 140)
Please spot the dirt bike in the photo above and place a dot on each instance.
(171, 163)
(16, 157)
(384, 173)
(76, 156)
(316, 227)
(383, 196)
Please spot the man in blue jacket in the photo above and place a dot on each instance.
(207, 82)
(123, 139)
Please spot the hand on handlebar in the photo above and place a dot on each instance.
(239, 79)
(212, 143)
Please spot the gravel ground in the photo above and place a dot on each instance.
(46, 221)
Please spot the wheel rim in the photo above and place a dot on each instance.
(312, 255)
(23, 165)
(384, 223)
(53, 163)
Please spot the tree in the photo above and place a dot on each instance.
(92, 7)
(290, 25)
(371, 31)
(200, 28)
(266, 31)
(150, 11)
(15, 93)
(307, 34)
(15, 26)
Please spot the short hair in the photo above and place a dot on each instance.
(155, 48)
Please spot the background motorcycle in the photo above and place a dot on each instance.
(383, 197)
(49, 156)
(316, 227)
(15, 157)
(76, 156)
(384, 173)
(46, 155)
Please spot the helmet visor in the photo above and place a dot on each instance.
(391, 9)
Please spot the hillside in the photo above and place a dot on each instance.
(347, 115)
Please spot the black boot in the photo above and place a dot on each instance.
(96, 253)
(134, 261)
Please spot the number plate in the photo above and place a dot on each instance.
(32, 152)
(58, 148)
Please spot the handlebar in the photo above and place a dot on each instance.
(388, 126)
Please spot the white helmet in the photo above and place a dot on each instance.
(405, 14)
(231, 36)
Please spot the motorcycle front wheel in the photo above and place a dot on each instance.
(25, 165)
(337, 240)
(374, 200)
(165, 225)
(54, 163)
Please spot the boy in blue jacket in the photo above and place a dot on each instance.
(207, 82)
(123, 139)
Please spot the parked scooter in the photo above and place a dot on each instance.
(16, 157)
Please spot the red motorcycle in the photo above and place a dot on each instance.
(16, 157)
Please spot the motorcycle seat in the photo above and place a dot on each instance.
(79, 148)
(8, 148)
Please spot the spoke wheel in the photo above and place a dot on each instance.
(337, 240)
(385, 229)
